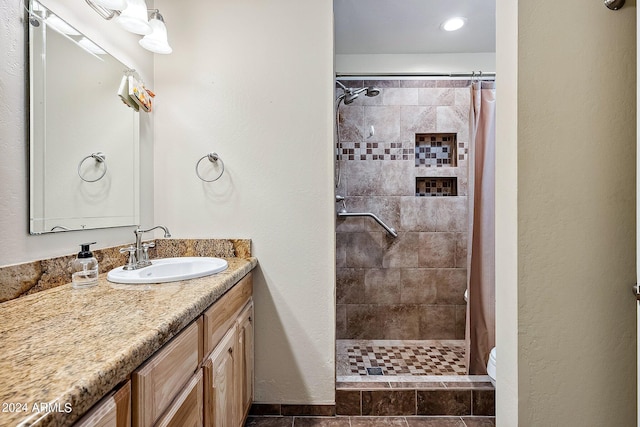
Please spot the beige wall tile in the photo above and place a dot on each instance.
(436, 96)
(437, 250)
(418, 286)
(350, 286)
(382, 285)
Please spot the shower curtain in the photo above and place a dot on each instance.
(480, 328)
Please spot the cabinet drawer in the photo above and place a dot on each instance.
(220, 316)
(156, 383)
(186, 411)
(112, 411)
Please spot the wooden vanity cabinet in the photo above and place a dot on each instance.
(245, 350)
(186, 411)
(228, 370)
(163, 376)
(113, 410)
(179, 387)
(220, 409)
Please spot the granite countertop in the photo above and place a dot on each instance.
(69, 347)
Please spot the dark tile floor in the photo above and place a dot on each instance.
(272, 421)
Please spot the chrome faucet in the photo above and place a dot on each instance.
(138, 254)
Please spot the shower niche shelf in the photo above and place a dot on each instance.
(436, 186)
(436, 149)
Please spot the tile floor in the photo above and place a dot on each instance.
(391, 358)
(419, 378)
(338, 421)
(432, 373)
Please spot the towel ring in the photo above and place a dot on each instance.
(213, 158)
(98, 157)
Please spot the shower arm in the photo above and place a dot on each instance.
(350, 90)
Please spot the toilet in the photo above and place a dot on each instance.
(491, 366)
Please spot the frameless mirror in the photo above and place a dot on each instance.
(84, 141)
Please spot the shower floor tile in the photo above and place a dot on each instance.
(401, 358)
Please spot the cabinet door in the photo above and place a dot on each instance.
(163, 376)
(186, 410)
(245, 350)
(219, 383)
(112, 411)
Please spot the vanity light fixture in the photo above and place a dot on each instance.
(453, 24)
(134, 18)
(156, 41)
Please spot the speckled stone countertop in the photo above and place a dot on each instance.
(73, 346)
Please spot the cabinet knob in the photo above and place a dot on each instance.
(230, 350)
(250, 319)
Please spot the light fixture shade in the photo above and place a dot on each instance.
(134, 18)
(157, 40)
(111, 4)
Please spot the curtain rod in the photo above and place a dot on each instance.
(489, 75)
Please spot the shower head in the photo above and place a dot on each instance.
(372, 91)
(349, 97)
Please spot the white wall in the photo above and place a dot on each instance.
(507, 379)
(438, 63)
(568, 121)
(253, 81)
(17, 246)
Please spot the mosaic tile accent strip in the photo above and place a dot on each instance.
(374, 151)
(407, 359)
(435, 149)
(436, 187)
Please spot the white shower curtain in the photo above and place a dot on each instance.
(480, 328)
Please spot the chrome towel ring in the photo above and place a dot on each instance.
(213, 158)
(99, 157)
(614, 4)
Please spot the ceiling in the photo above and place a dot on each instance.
(413, 26)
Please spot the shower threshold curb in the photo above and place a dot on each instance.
(413, 378)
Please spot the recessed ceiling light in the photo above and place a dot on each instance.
(453, 24)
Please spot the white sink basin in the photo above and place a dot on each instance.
(169, 270)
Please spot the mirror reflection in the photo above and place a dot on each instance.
(83, 138)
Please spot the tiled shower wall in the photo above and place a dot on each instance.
(410, 287)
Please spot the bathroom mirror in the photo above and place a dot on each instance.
(84, 141)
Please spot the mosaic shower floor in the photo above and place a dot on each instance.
(372, 358)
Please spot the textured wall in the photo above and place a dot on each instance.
(575, 106)
(410, 287)
(253, 81)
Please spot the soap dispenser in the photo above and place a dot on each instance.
(84, 269)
